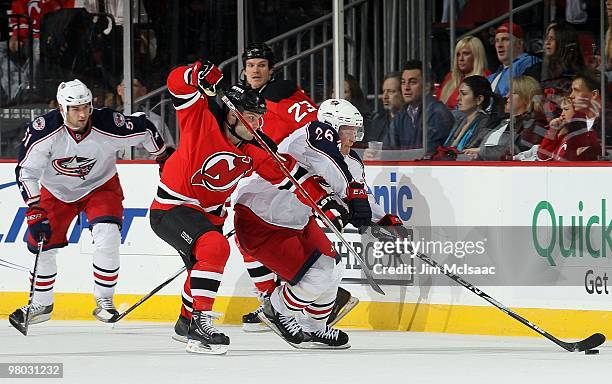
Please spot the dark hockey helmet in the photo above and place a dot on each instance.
(246, 99)
(258, 51)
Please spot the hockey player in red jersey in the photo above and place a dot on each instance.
(66, 166)
(278, 230)
(215, 152)
(289, 108)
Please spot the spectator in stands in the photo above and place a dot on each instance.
(392, 103)
(520, 60)
(139, 89)
(470, 59)
(17, 55)
(529, 124)
(568, 138)
(586, 97)
(474, 103)
(562, 61)
(354, 94)
(405, 131)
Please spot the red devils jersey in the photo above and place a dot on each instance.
(288, 109)
(206, 166)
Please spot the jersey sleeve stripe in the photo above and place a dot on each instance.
(184, 101)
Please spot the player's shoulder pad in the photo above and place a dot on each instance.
(45, 124)
(108, 120)
(354, 155)
(277, 90)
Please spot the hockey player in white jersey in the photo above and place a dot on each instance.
(278, 230)
(66, 166)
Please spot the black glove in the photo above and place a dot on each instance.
(161, 159)
(360, 213)
(205, 76)
(395, 226)
(38, 223)
(334, 211)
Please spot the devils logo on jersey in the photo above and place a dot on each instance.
(73, 166)
(221, 171)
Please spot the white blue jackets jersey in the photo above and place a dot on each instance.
(315, 148)
(71, 165)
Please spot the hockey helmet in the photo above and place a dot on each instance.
(339, 112)
(72, 93)
(258, 51)
(246, 99)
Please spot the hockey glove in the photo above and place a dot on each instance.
(395, 225)
(205, 76)
(360, 213)
(334, 211)
(161, 159)
(38, 223)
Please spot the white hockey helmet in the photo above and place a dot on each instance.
(72, 93)
(339, 112)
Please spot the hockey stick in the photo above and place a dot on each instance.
(23, 328)
(297, 185)
(590, 342)
(154, 291)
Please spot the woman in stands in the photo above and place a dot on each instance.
(562, 61)
(470, 59)
(529, 124)
(474, 102)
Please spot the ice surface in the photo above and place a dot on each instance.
(144, 353)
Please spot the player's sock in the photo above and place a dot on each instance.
(38, 313)
(203, 336)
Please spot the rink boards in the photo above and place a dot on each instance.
(422, 195)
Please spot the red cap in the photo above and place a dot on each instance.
(517, 31)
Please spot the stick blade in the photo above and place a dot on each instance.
(593, 341)
(18, 326)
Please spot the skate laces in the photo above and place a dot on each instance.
(206, 322)
(328, 333)
(35, 308)
(105, 303)
(290, 324)
(258, 310)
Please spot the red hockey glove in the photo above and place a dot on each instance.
(360, 213)
(205, 76)
(395, 225)
(334, 211)
(161, 159)
(38, 223)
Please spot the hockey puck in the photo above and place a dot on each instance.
(591, 352)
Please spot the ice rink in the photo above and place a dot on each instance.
(145, 353)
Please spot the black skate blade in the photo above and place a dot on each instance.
(595, 340)
(105, 319)
(18, 326)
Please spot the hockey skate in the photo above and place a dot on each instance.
(345, 302)
(38, 314)
(181, 328)
(203, 337)
(285, 326)
(327, 338)
(105, 310)
(252, 323)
